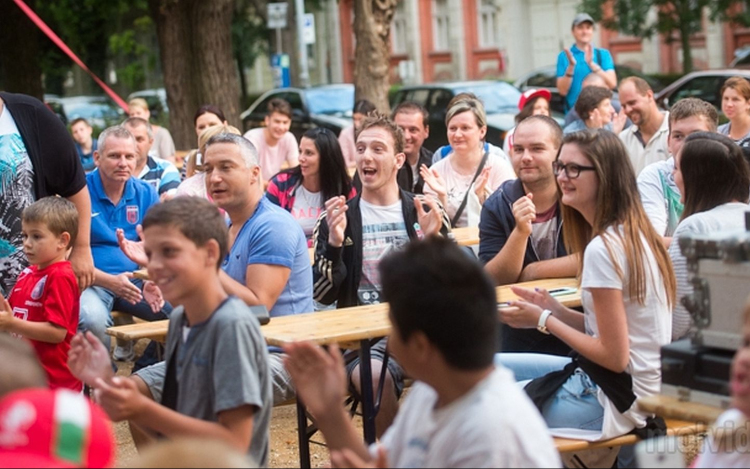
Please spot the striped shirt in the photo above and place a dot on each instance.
(161, 175)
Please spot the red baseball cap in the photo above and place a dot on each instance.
(60, 428)
(532, 93)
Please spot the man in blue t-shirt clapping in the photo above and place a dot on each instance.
(581, 59)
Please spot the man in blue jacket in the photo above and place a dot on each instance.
(520, 230)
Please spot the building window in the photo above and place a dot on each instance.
(440, 25)
(489, 33)
(398, 30)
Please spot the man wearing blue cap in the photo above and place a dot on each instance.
(581, 59)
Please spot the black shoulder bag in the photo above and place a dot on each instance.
(461, 208)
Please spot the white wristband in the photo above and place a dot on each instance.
(542, 325)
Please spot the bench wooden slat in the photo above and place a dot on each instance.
(674, 428)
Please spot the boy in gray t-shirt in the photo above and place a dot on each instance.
(217, 382)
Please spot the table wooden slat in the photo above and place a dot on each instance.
(339, 325)
(669, 407)
(468, 236)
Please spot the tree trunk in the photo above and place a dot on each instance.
(19, 52)
(195, 43)
(372, 29)
(687, 55)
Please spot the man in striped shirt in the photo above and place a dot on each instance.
(161, 174)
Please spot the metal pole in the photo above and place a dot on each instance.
(278, 41)
(304, 74)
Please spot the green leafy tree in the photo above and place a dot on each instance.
(680, 18)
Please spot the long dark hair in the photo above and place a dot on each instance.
(618, 202)
(714, 172)
(209, 109)
(334, 179)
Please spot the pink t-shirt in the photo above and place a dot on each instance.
(348, 147)
(272, 158)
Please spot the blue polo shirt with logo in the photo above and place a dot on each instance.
(106, 217)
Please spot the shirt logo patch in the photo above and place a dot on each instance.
(38, 290)
(132, 214)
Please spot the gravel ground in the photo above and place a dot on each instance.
(283, 441)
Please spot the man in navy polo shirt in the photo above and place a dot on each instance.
(118, 200)
(574, 64)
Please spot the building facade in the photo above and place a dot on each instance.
(444, 40)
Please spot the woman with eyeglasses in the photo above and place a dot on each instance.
(464, 179)
(714, 180)
(321, 175)
(628, 289)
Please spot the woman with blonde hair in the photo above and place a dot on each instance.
(628, 289)
(464, 179)
(195, 185)
(735, 104)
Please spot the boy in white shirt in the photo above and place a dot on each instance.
(463, 411)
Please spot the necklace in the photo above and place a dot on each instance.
(312, 199)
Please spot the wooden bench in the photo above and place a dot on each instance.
(674, 428)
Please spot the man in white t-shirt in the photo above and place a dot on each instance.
(659, 193)
(646, 139)
(275, 144)
(462, 411)
(352, 237)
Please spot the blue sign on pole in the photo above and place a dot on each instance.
(280, 66)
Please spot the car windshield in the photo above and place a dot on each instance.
(497, 97)
(335, 101)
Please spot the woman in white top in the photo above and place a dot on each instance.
(321, 175)
(628, 289)
(735, 104)
(457, 177)
(714, 180)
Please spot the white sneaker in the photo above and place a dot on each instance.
(124, 352)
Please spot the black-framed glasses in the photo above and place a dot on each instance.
(572, 170)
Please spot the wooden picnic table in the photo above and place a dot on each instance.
(342, 326)
(353, 327)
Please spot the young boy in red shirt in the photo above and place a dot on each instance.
(44, 304)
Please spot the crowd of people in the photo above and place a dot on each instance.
(600, 199)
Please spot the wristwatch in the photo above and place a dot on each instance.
(542, 325)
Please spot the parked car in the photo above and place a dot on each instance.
(99, 111)
(500, 102)
(328, 106)
(741, 58)
(546, 77)
(705, 85)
